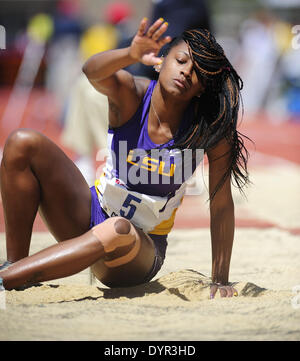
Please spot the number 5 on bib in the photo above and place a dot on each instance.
(129, 206)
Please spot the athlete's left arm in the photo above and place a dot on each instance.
(221, 219)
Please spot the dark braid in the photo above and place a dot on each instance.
(216, 111)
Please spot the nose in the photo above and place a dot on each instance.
(187, 69)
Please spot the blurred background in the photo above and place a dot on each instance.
(44, 43)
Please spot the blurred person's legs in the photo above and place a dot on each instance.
(86, 124)
(63, 66)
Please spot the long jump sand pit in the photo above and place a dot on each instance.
(176, 304)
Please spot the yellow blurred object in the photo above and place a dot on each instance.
(283, 36)
(40, 28)
(98, 38)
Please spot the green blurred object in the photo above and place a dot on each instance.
(40, 28)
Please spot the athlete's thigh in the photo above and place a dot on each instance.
(65, 195)
(131, 272)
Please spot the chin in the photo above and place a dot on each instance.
(169, 88)
(175, 91)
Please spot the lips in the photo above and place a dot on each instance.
(181, 83)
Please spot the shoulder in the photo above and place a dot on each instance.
(141, 85)
(117, 118)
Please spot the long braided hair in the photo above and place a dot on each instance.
(216, 111)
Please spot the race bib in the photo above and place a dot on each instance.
(145, 211)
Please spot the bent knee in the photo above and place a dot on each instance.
(119, 240)
(128, 257)
(20, 146)
(115, 232)
(23, 139)
(122, 225)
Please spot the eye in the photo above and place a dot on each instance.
(180, 61)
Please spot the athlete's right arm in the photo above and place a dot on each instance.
(105, 70)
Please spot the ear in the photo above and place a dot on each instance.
(157, 67)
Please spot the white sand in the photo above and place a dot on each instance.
(176, 305)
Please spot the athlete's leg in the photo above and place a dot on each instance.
(60, 260)
(36, 174)
(123, 265)
(127, 256)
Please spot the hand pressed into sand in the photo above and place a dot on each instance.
(225, 290)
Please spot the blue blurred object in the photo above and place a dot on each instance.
(293, 102)
(67, 20)
(64, 25)
(182, 15)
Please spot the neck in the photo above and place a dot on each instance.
(168, 109)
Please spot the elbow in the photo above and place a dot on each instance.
(90, 70)
(84, 69)
(88, 67)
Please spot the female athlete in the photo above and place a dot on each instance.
(120, 226)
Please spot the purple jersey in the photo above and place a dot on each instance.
(143, 181)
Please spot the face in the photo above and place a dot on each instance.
(177, 74)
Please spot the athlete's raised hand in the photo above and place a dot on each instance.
(146, 44)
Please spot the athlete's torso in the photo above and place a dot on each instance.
(144, 181)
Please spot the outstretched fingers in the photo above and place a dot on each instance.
(164, 41)
(154, 29)
(142, 27)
